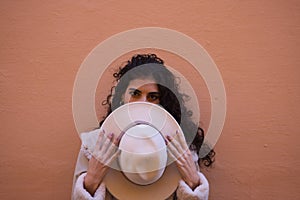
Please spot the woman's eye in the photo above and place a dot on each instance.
(153, 97)
(134, 93)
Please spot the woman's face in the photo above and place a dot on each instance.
(143, 89)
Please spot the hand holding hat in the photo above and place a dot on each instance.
(105, 152)
(180, 152)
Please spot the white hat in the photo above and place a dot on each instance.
(143, 169)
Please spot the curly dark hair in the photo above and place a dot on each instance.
(170, 98)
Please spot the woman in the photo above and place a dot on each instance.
(154, 83)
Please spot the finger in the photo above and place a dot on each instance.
(172, 148)
(118, 139)
(173, 157)
(113, 157)
(176, 144)
(165, 139)
(99, 141)
(110, 151)
(107, 143)
(171, 154)
(182, 141)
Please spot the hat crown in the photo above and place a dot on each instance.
(143, 155)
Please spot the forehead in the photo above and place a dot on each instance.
(142, 82)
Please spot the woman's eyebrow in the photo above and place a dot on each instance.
(157, 93)
(134, 89)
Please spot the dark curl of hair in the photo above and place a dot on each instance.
(170, 98)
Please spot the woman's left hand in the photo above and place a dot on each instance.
(180, 152)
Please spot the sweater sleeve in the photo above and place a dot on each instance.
(199, 193)
(80, 192)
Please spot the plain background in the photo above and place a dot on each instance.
(255, 45)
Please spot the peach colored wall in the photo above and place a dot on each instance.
(254, 43)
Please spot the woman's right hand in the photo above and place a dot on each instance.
(105, 152)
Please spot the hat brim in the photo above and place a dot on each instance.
(118, 122)
(121, 188)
